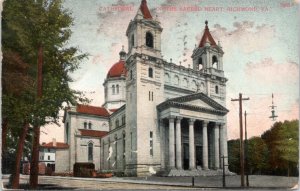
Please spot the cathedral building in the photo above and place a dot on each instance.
(158, 117)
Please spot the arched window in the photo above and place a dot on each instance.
(167, 77)
(67, 133)
(113, 89)
(117, 87)
(150, 72)
(132, 40)
(214, 62)
(117, 123)
(90, 125)
(217, 89)
(194, 85)
(200, 63)
(90, 152)
(85, 125)
(130, 74)
(176, 80)
(185, 82)
(149, 39)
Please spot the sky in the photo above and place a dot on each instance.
(260, 39)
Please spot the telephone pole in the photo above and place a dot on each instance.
(246, 151)
(240, 100)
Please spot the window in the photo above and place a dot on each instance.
(113, 89)
(85, 125)
(131, 151)
(48, 150)
(130, 74)
(116, 152)
(132, 40)
(185, 82)
(123, 119)
(90, 152)
(150, 96)
(167, 77)
(149, 39)
(151, 143)
(48, 157)
(150, 72)
(217, 89)
(215, 62)
(67, 133)
(117, 87)
(124, 150)
(90, 125)
(176, 80)
(200, 63)
(117, 123)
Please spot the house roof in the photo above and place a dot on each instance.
(92, 133)
(59, 145)
(207, 37)
(145, 10)
(87, 109)
(117, 70)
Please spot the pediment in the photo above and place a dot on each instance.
(195, 102)
(199, 103)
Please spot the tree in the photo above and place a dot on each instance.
(234, 155)
(257, 155)
(32, 28)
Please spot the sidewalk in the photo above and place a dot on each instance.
(208, 182)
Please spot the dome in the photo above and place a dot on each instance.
(117, 70)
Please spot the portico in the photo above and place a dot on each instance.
(192, 135)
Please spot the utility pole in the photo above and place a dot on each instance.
(246, 152)
(240, 100)
(273, 116)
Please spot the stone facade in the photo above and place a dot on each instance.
(163, 117)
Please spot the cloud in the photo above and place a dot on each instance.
(245, 36)
(268, 72)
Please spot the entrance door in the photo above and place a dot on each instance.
(185, 156)
(199, 156)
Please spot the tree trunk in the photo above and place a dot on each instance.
(20, 148)
(34, 165)
(4, 133)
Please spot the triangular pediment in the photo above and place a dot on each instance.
(199, 103)
(196, 102)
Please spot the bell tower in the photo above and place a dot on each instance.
(144, 33)
(144, 91)
(207, 57)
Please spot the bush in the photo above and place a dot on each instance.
(84, 169)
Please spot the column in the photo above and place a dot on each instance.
(225, 145)
(171, 144)
(216, 144)
(178, 144)
(204, 145)
(162, 143)
(221, 144)
(191, 144)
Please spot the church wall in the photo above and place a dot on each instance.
(82, 150)
(61, 162)
(112, 152)
(150, 94)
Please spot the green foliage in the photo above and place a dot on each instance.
(257, 153)
(28, 26)
(275, 152)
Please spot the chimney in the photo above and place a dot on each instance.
(54, 142)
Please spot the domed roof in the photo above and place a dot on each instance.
(117, 70)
